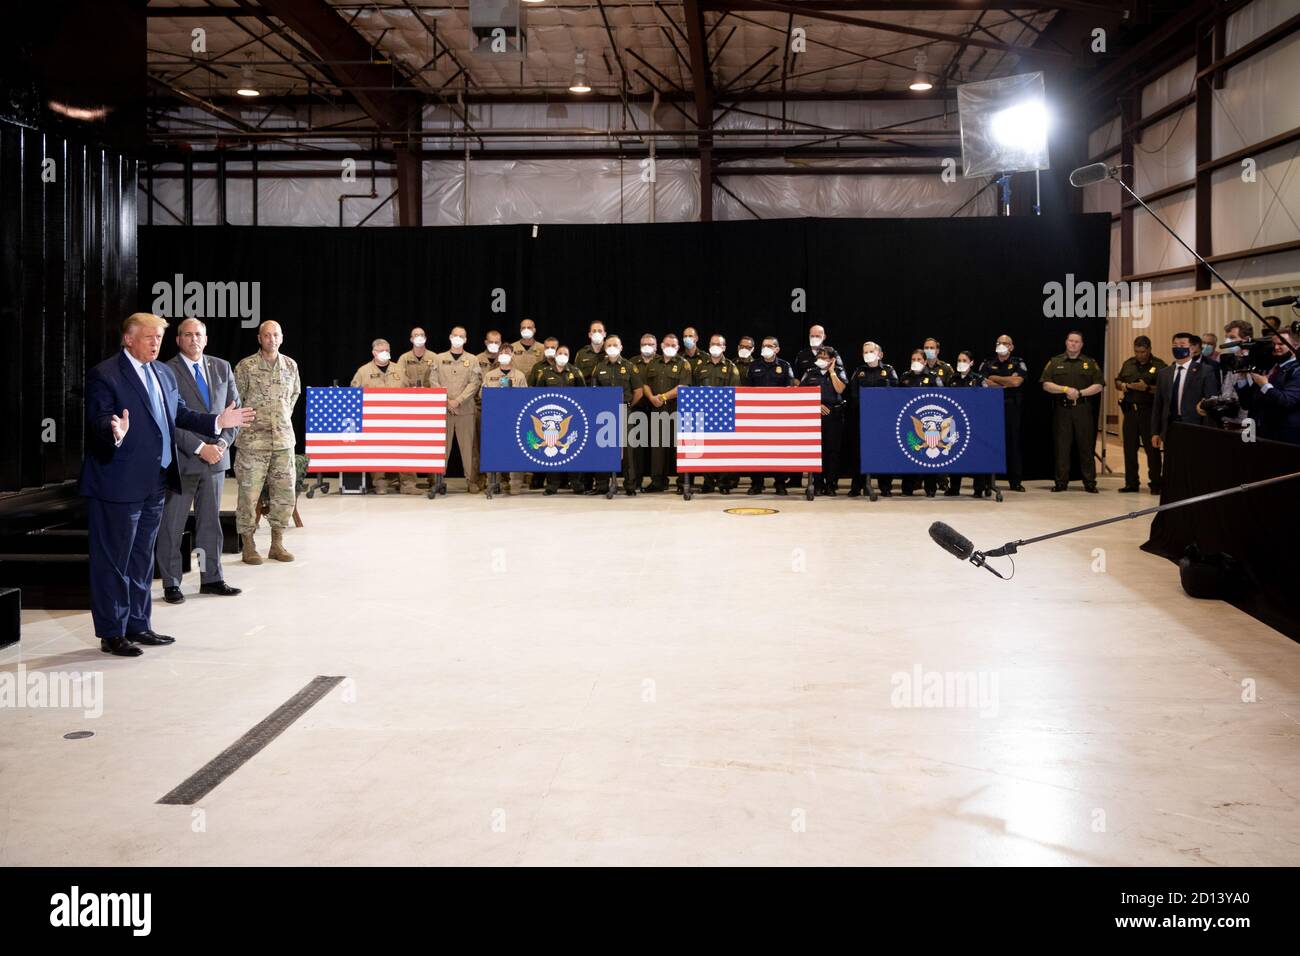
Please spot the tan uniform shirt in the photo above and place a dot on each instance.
(493, 378)
(416, 369)
(371, 375)
(526, 356)
(460, 377)
(487, 361)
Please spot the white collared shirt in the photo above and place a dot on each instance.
(157, 387)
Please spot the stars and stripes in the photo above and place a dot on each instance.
(749, 429)
(377, 429)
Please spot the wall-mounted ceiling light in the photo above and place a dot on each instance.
(534, 1)
(247, 85)
(921, 81)
(580, 84)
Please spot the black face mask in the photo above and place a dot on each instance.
(1181, 352)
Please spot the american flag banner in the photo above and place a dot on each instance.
(377, 429)
(749, 429)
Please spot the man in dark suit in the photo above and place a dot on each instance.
(1179, 387)
(206, 384)
(130, 464)
(1273, 400)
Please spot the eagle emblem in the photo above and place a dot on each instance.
(934, 432)
(550, 431)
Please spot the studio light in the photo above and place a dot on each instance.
(1022, 126)
(921, 81)
(1004, 125)
(580, 84)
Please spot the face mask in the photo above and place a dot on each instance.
(647, 350)
(418, 341)
(457, 341)
(597, 338)
(1231, 345)
(768, 352)
(526, 334)
(1207, 349)
(550, 353)
(815, 340)
(613, 351)
(1002, 350)
(383, 357)
(931, 353)
(1181, 352)
(745, 353)
(561, 360)
(963, 367)
(494, 347)
(871, 358)
(504, 358)
(689, 342)
(715, 350)
(670, 351)
(917, 366)
(822, 363)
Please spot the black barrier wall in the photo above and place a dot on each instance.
(896, 281)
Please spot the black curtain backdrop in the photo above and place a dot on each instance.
(1254, 527)
(964, 281)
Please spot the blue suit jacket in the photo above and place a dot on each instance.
(1277, 411)
(130, 472)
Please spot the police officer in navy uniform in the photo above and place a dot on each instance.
(769, 371)
(920, 375)
(1008, 372)
(874, 372)
(964, 376)
(825, 374)
(616, 372)
(558, 372)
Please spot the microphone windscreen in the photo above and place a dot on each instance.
(951, 541)
(1087, 175)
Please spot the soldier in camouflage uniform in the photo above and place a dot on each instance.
(269, 383)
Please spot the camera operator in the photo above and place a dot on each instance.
(1273, 399)
(1225, 410)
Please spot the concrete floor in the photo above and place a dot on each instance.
(581, 681)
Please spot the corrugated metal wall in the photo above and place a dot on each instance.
(67, 279)
(1194, 312)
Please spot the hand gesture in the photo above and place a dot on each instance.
(210, 454)
(1072, 394)
(120, 426)
(234, 417)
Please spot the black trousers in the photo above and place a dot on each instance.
(1011, 420)
(1137, 430)
(832, 437)
(1076, 430)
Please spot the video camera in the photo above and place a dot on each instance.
(1249, 355)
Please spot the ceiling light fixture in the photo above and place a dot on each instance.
(247, 85)
(921, 81)
(580, 84)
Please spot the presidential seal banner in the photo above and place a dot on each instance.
(932, 430)
(542, 430)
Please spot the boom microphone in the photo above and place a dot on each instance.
(1292, 300)
(950, 540)
(1095, 173)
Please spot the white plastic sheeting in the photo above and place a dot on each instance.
(1154, 249)
(1259, 98)
(867, 196)
(559, 191)
(1245, 215)
(1166, 153)
(1256, 19)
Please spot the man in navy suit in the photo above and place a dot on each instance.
(129, 466)
(1273, 400)
(1179, 390)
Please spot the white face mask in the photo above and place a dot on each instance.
(670, 351)
(613, 351)
(768, 352)
(525, 334)
(418, 341)
(745, 353)
(550, 353)
(647, 350)
(815, 340)
(494, 347)
(931, 353)
(1002, 349)
(561, 360)
(715, 350)
(383, 357)
(597, 338)
(871, 358)
(823, 364)
(457, 341)
(689, 342)
(504, 358)
(917, 366)
(963, 367)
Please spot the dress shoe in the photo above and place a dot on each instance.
(550, 491)
(782, 492)
(218, 587)
(929, 493)
(656, 488)
(855, 492)
(173, 596)
(724, 489)
(149, 637)
(1017, 487)
(886, 493)
(1127, 490)
(953, 493)
(708, 488)
(1091, 489)
(630, 492)
(755, 490)
(119, 646)
(829, 493)
(1059, 487)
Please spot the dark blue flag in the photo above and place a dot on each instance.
(932, 431)
(551, 429)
